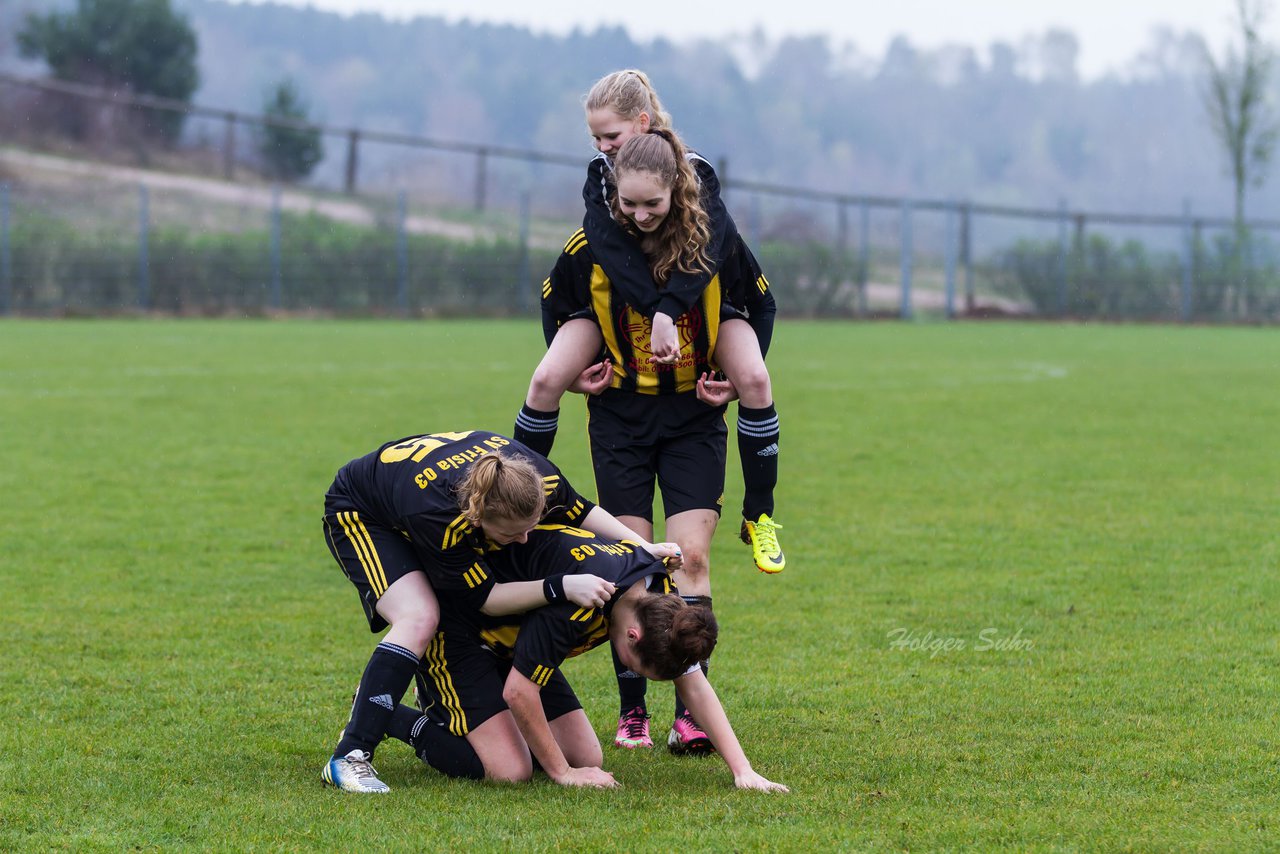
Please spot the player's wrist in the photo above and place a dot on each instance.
(553, 588)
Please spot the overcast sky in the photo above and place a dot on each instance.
(1111, 32)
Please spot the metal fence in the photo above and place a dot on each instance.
(410, 225)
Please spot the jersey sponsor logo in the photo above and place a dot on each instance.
(639, 330)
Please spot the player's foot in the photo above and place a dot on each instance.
(633, 730)
(354, 773)
(762, 536)
(688, 739)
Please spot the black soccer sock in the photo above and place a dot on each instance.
(758, 449)
(451, 755)
(705, 665)
(631, 685)
(537, 429)
(386, 678)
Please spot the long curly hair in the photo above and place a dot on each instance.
(681, 241)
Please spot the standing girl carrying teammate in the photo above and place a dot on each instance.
(654, 421)
(620, 106)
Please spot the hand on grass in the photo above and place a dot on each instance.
(752, 780)
(595, 777)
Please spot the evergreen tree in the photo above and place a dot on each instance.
(142, 46)
(290, 152)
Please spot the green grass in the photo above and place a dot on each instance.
(179, 648)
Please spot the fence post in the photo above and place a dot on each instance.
(966, 256)
(523, 296)
(905, 260)
(1063, 250)
(229, 148)
(864, 255)
(353, 141)
(277, 276)
(144, 260)
(402, 254)
(949, 259)
(6, 270)
(482, 169)
(1188, 259)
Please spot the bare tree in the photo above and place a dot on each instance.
(1240, 110)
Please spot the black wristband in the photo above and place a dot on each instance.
(553, 588)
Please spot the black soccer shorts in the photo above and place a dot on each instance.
(372, 556)
(460, 682)
(675, 438)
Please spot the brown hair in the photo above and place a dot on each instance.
(681, 241)
(509, 487)
(675, 635)
(628, 93)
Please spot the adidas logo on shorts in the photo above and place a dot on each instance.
(770, 451)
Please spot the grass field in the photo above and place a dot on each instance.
(1031, 603)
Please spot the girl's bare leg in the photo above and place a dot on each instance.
(576, 343)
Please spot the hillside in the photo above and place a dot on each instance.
(997, 123)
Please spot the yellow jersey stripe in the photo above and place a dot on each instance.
(711, 299)
(546, 287)
(438, 669)
(600, 291)
(367, 554)
(454, 533)
(575, 243)
(475, 576)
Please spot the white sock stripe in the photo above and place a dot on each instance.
(398, 650)
(759, 429)
(537, 425)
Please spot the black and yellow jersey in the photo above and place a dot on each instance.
(578, 285)
(620, 255)
(538, 642)
(409, 485)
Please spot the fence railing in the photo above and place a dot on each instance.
(967, 257)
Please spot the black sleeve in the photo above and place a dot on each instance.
(684, 289)
(564, 505)
(547, 635)
(761, 309)
(566, 292)
(457, 569)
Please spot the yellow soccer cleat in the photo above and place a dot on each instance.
(762, 536)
